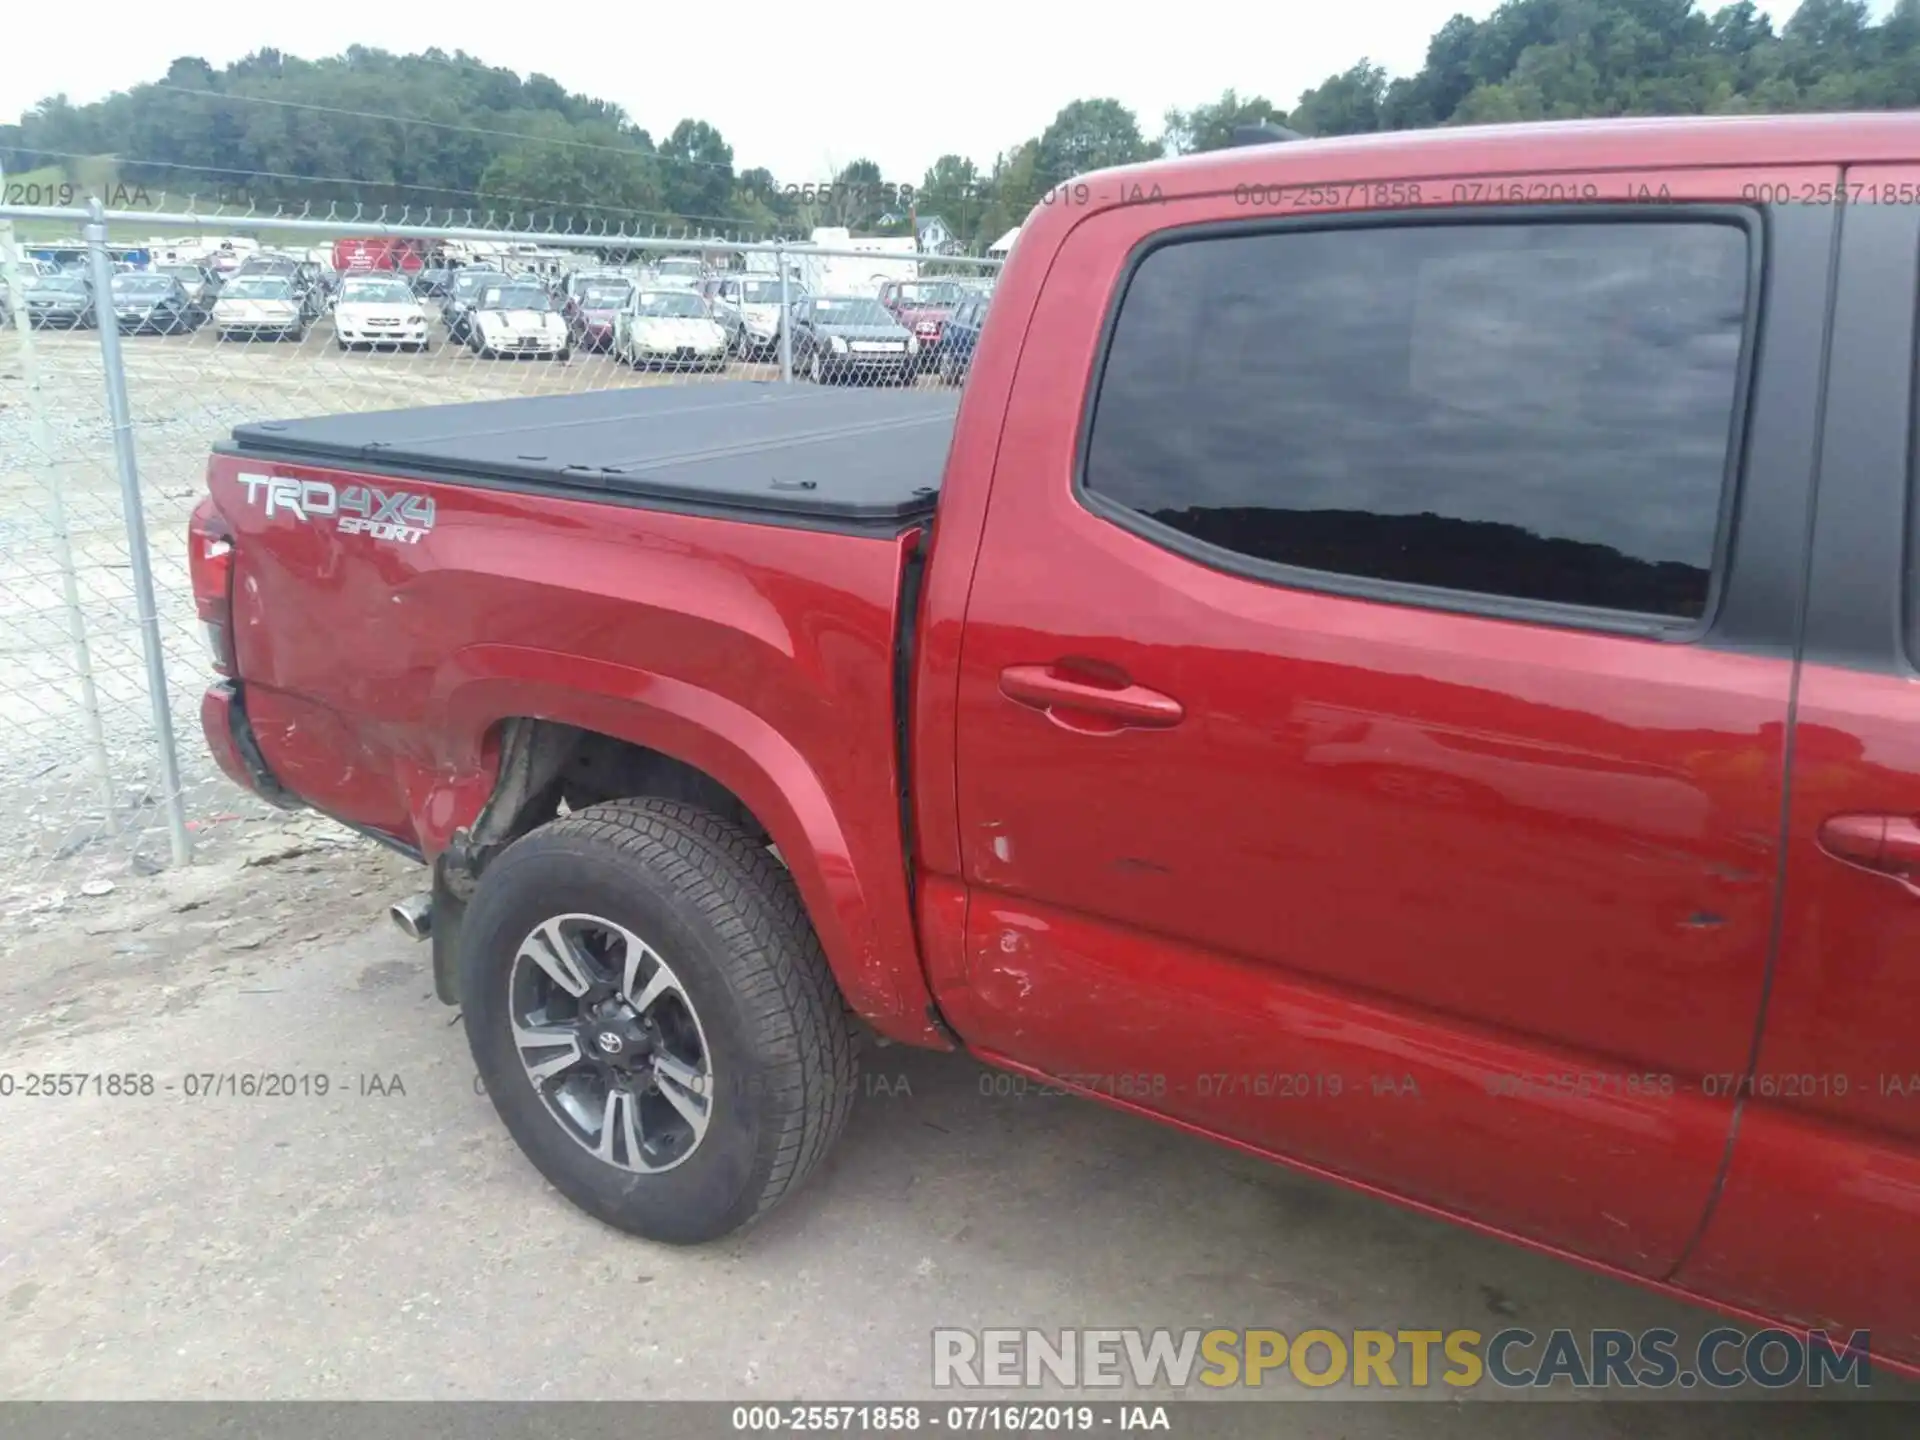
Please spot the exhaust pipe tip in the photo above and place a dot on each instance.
(414, 916)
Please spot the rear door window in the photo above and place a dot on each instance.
(1530, 413)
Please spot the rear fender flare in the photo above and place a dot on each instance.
(874, 960)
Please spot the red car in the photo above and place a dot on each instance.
(590, 306)
(923, 306)
(1402, 659)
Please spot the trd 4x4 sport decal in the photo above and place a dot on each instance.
(356, 510)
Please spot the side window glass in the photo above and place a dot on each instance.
(1538, 412)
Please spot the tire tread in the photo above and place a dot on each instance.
(780, 973)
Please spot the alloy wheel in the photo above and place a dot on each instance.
(609, 1040)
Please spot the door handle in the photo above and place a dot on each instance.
(1051, 689)
(1885, 844)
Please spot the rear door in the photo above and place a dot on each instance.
(1373, 700)
(1819, 1217)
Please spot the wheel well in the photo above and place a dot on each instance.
(548, 769)
(605, 767)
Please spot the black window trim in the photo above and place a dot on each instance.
(1749, 219)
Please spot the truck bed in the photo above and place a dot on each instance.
(851, 459)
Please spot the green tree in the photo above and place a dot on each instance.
(1088, 135)
(1211, 126)
(1350, 103)
(954, 190)
(1011, 190)
(696, 168)
(574, 178)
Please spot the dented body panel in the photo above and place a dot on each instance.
(378, 671)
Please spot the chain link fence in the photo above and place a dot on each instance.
(198, 323)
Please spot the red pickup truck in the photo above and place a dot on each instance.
(1401, 658)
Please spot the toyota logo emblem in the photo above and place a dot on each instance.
(611, 1043)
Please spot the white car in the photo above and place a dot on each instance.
(669, 327)
(517, 318)
(378, 310)
(677, 271)
(255, 305)
(749, 307)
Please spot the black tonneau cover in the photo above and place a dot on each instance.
(801, 453)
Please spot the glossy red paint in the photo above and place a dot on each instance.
(1521, 852)
(1429, 1107)
(760, 655)
(1822, 1202)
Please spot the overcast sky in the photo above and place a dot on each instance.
(809, 88)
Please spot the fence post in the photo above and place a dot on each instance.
(120, 414)
(786, 326)
(57, 518)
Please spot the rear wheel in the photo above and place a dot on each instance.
(653, 1018)
(816, 370)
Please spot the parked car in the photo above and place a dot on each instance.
(64, 300)
(517, 317)
(379, 309)
(851, 337)
(200, 283)
(922, 306)
(591, 305)
(748, 306)
(1604, 497)
(145, 301)
(952, 353)
(671, 328)
(328, 280)
(573, 281)
(677, 271)
(434, 281)
(466, 288)
(302, 276)
(261, 303)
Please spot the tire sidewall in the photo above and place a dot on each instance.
(717, 1188)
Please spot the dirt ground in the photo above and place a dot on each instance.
(384, 1239)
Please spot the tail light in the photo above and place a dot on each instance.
(210, 566)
